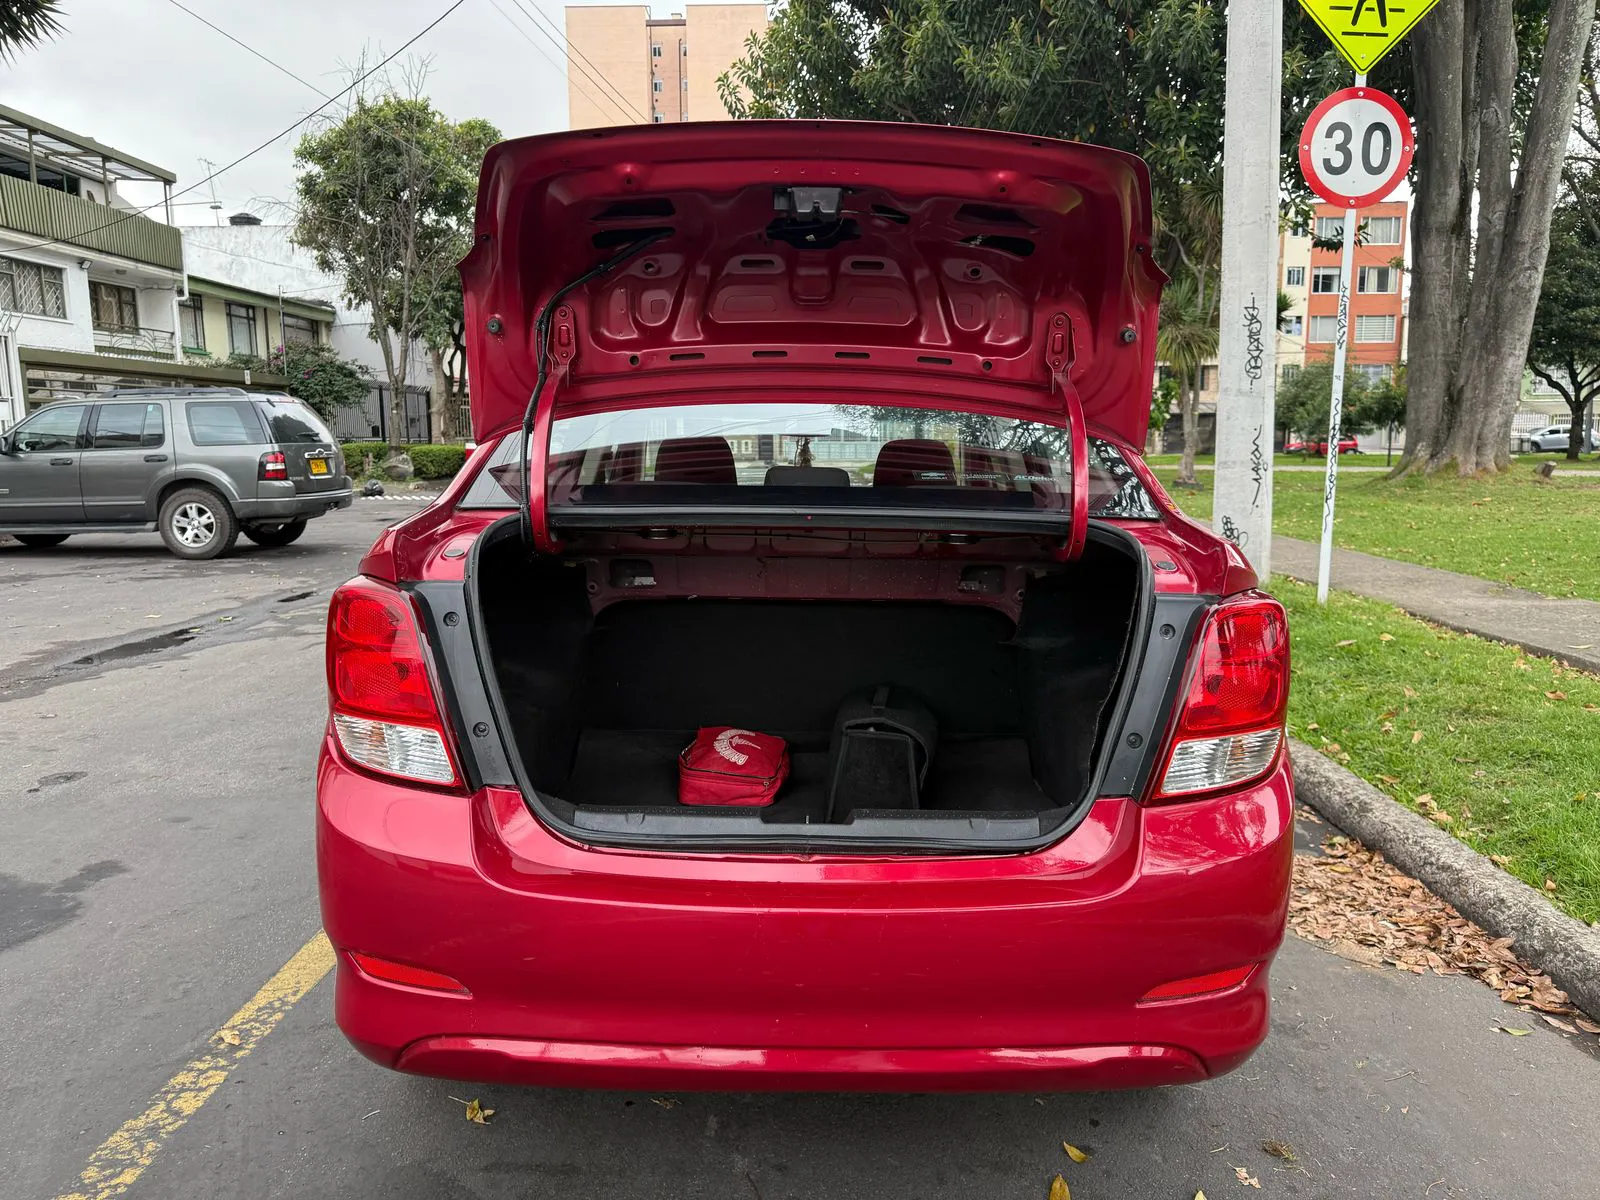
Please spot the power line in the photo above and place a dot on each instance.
(601, 81)
(139, 212)
(248, 48)
(575, 80)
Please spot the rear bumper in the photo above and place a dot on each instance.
(290, 505)
(619, 969)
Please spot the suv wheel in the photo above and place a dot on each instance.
(40, 541)
(196, 523)
(275, 535)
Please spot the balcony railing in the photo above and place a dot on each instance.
(44, 212)
(129, 339)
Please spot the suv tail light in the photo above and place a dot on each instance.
(273, 466)
(385, 710)
(1230, 727)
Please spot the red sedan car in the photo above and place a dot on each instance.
(1347, 445)
(813, 446)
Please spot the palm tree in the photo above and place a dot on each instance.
(1185, 342)
(26, 23)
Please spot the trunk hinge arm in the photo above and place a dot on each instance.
(1059, 356)
(555, 338)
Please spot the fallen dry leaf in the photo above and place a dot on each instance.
(1549, 885)
(1247, 1179)
(1513, 1032)
(1351, 901)
(1416, 736)
(1557, 1023)
(1555, 695)
(1390, 779)
(1411, 693)
(666, 1102)
(1199, 1196)
(1279, 1149)
(1386, 637)
(1425, 799)
(1346, 642)
(477, 1113)
(1076, 1155)
(228, 1037)
(1059, 1189)
(1586, 1025)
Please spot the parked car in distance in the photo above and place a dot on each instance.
(1347, 445)
(1556, 437)
(199, 465)
(835, 437)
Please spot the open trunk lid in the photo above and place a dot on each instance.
(1012, 270)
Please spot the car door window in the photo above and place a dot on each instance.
(53, 429)
(225, 423)
(128, 427)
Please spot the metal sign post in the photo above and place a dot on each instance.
(1356, 148)
(1248, 303)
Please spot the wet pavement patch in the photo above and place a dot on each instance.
(56, 780)
(149, 645)
(293, 596)
(28, 910)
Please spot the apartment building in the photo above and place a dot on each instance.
(626, 67)
(1377, 304)
(89, 285)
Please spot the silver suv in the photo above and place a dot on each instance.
(201, 465)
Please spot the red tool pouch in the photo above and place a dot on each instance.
(724, 765)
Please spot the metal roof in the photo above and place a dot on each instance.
(82, 155)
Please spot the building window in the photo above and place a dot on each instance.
(241, 328)
(655, 49)
(1289, 371)
(113, 307)
(1323, 329)
(1294, 326)
(1294, 277)
(1324, 280)
(1382, 231)
(1378, 279)
(1375, 329)
(192, 322)
(657, 118)
(655, 85)
(28, 287)
(684, 83)
(1208, 379)
(1330, 228)
(1373, 372)
(299, 329)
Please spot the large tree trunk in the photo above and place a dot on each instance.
(1189, 401)
(1470, 340)
(442, 397)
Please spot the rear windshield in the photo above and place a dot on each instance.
(817, 455)
(289, 421)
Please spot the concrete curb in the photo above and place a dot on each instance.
(1562, 947)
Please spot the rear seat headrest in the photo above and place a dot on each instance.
(807, 477)
(914, 462)
(695, 460)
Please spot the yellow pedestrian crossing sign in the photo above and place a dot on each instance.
(1363, 31)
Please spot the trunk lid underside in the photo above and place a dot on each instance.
(814, 254)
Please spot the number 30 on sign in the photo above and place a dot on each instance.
(1356, 147)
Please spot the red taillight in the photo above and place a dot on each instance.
(1199, 985)
(386, 714)
(407, 976)
(1230, 726)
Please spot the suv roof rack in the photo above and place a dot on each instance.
(177, 391)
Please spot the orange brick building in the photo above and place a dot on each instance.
(1377, 309)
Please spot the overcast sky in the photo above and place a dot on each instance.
(149, 79)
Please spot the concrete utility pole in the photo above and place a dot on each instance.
(1247, 353)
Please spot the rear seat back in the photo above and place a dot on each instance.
(695, 460)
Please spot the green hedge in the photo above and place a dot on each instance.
(430, 461)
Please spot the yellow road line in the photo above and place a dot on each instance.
(128, 1153)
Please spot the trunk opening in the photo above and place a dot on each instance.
(607, 657)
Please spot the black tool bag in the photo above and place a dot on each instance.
(883, 741)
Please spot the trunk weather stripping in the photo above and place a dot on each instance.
(536, 524)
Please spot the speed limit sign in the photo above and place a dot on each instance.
(1356, 147)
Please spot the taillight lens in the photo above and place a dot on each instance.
(1230, 727)
(273, 466)
(386, 713)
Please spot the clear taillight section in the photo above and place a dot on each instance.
(386, 714)
(273, 466)
(1230, 727)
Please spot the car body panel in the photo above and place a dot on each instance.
(820, 961)
(39, 479)
(1018, 265)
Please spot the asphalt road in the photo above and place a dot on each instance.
(156, 870)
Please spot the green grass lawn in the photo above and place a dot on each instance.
(1280, 460)
(1500, 748)
(1517, 529)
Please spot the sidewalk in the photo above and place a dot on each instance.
(1559, 628)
